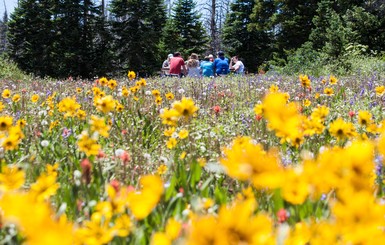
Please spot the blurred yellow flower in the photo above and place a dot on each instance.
(81, 114)
(364, 118)
(329, 91)
(155, 93)
(99, 125)
(5, 122)
(341, 129)
(141, 203)
(123, 225)
(169, 96)
(182, 155)
(170, 117)
(95, 231)
(162, 169)
(183, 134)
(112, 84)
(160, 238)
(258, 109)
(296, 188)
(119, 107)
(158, 100)
(16, 98)
(21, 123)
(105, 104)
(69, 107)
(169, 131)
(44, 187)
(11, 178)
(173, 229)
(103, 82)
(306, 103)
(333, 80)
(131, 75)
(88, 145)
(380, 90)
(248, 161)
(11, 142)
(125, 92)
(39, 228)
(273, 88)
(305, 81)
(171, 143)
(6, 93)
(35, 98)
(141, 83)
(185, 107)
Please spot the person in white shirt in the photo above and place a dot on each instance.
(237, 66)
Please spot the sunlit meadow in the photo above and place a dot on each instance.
(262, 159)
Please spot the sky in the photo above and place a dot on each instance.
(11, 5)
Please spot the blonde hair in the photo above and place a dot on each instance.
(193, 61)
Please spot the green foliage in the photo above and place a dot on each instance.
(137, 26)
(250, 44)
(50, 38)
(354, 61)
(184, 31)
(9, 70)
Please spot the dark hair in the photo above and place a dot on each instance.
(176, 54)
(221, 53)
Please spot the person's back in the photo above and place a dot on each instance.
(193, 66)
(207, 68)
(177, 64)
(221, 64)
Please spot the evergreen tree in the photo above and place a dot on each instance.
(75, 31)
(289, 22)
(30, 36)
(239, 38)
(55, 38)
(137, 26)
(184, 31)
(3, 33)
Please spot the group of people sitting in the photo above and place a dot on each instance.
(174, 65)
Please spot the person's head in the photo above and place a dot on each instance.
(177, 54)
(207, 58)
(235, 58)
(170, 56)
(221, 54)
(194, 56)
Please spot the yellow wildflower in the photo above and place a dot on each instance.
(16, 98)
(11, 178)
(6, 93)
(131, 75)
(35, 98)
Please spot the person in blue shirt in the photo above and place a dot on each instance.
(207, 67)
(221, 64)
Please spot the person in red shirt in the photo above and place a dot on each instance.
(177, 65)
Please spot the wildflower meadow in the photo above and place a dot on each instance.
(257, 159)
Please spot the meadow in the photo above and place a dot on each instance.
(258, 159)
